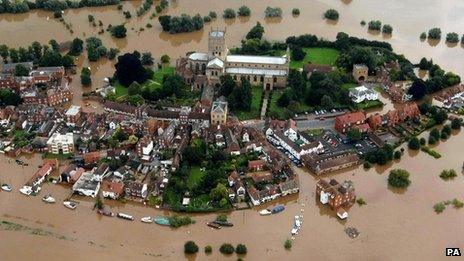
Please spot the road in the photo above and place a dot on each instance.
(310, 123)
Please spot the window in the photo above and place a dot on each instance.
(275, 79)
(255, 78)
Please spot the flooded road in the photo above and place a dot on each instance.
(394, 225)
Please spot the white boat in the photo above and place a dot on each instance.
(6, 187)
(26, 191)
(342, 214)
(69, 204)
(265, 212)
(125, 216)
(295, 230)
(147, 220)
(48, 199)
(297, 221)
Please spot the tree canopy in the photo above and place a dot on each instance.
(130, 69)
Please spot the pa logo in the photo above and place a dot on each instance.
(453, 251)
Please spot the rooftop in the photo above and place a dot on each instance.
(73, 110)
(255, 59)
(253, 71)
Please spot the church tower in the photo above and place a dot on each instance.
(217, 44)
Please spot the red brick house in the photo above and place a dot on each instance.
(334, 194)
(344, 123)
(256, 165)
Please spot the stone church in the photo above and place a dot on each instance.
(202, 69)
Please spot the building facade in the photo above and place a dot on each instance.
(61, 143)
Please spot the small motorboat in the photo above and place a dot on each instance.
(297, 221)
(342, 214)
(277, 209)
(147, 220)
(48, 199)
(265, 212)
(295, 230)
(25, 190)
(6, 187)
(214, 225)
(69, 204)
(223, 223)
(125, 216)
(163, 221)
(105, 212)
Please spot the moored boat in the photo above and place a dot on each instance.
(125, 216)
(147, 220)
(213, 225)
(105, 212)
(265, 212)
(223, 223)
(69, 204)
(164, 221)
(6, 187)
(48, 199)
(297, 221)
(277, 209)
(25, 190)
(342, 214)
(295, 230)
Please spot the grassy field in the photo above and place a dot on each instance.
(153, 83)
(195, 176)
(317, 56)
(255, 111)
(347, 86)
(370, 104)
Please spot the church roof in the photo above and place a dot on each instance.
(216, 62)
(256, 71)
(198, 56)
(256, 59)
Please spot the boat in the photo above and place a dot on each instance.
(295, 230)
(6, 187)
(125, 216)
(277, 209)
(48, 199)
(105, 212)
(69, 204)
(213, 225)
(223, 223)
(342, 214)
(147, 220)
(265, 212)
(297, 221)
(25, 190)
(164, 221)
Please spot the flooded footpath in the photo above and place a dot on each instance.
(394, 225)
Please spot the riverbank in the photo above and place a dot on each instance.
(387, 223)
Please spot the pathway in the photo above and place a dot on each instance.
(264, 107)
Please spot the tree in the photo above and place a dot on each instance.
(129, 69)
(399, 178)
(434, 33)
(273, 12)
(98, 203)
(440, 116)
(4, 52)
(190, 247)
(226, 249)
(256, 32)
(297, 53)
(119, 31)
(165, 22)
(85, 77)
(198, 22)
(173, 85)
(447, 174)
(212, 14)
(112, 53)
(417, 89)
(21, 70)
(37, 50)
(284, 99)
(331, 14)
(219, 192)
(288, 244)
(208, 249)
(227, 85)
(147, 58)
(67, 61)
(241, 249)
(424, 64)
(244, 11)
(374, 25)
(423, 35)
(51, 58)
(354, 134)
(414, 143)
(9, 97)
(295, 11)
(245, 94)
(456, 124)
(77, 46)
(397, 155)
(452, 38)
(327, 102)
(165, 58)
(387, 29)
(54, 44)
(229, 13)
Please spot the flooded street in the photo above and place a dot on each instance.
(394, 225)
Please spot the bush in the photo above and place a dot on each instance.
(375, 25)
(399, 178)
(439, 207)
(422, 141)
(431, 152)
(207, 19)
(227, 249)
(222, 218)
(361, 201)
(423, 35)
(288, 244)
(367, 165)
(446, 129)
(177, 221)
(456, 124)
(212, 14)
(414, 143)
(208, 249)
(331, 14)
(448, 174)
(295, 11)
(435, 33)
(397, 155)
(273, 12)
(229, 13)
(435, 133)
(444, 136)
(244, 11)
(241, 249)
(119, 31)
(387, 29)
(452, 38)
(432, 140)
(297, 53)
(457, 203)
(190, 247)
(85, 77)
(363, 23)
(165, 58)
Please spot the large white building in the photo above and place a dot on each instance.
(61, 143)
(201, 69)
(362, 93)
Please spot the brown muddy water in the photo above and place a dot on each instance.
(394, 225)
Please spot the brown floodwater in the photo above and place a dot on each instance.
(394, 225)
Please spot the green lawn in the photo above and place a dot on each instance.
(195, 176)
(347, 86)
(121, 90)
(158, 77)
(255, 111)
(317, 56)
(370, 104)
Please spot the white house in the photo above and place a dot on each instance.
(86, 185)
(61, 143)
(362, 93)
